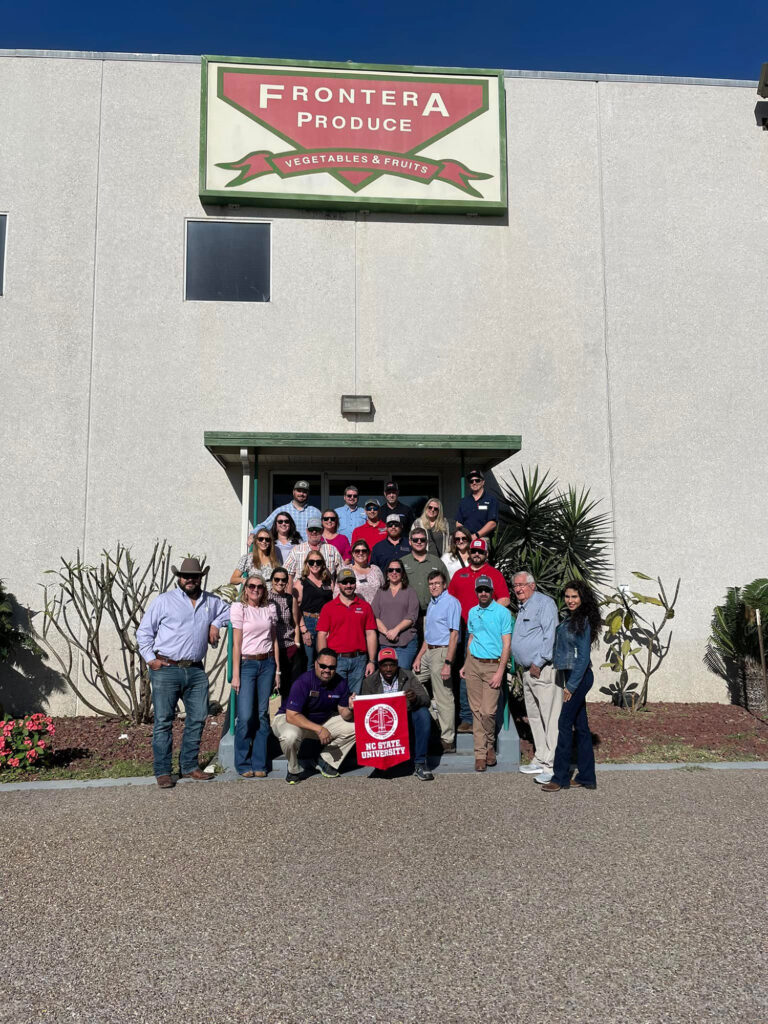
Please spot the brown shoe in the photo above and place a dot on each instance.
(464, 727)
(448, 748)
(479, 765)
(490, 758)
(575, 784)
(198, 775)
(259, 775)
(165, 782)
(550, 787)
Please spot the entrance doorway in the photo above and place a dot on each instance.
(327, 490)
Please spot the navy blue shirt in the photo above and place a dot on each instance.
(404, 511)
(315, 701)
(385, 551)
(475, 514)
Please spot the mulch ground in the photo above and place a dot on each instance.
(665, 732)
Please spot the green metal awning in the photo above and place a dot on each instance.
(484, 450)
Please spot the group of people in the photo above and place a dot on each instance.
(352, 601)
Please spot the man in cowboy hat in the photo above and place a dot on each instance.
(173, 636)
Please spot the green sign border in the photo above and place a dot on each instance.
(355, 202)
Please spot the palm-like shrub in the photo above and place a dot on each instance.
(734, 647)
(556, 534)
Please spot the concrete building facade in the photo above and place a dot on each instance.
(611, 326)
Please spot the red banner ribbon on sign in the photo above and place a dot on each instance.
(363, 162)
(381, 730)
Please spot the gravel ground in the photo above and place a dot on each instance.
(474, 898)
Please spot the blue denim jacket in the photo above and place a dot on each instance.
(572, 652)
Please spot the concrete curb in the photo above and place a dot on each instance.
(149, 780)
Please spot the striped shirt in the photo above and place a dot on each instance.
(295, 562)
(301, 517)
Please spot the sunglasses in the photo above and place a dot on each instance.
(483, 590)
(266, 540)
(418, 540)
(329, 519)
(283, 522)
(314, 529)
(314, 562)
(348, 583)
(254, 586)
(399, 571)
(461, 537)
(475, 479)
(395, 526)
(191, 576)
(325, 667)
(359, 551)
(433, 508)
(279, 579)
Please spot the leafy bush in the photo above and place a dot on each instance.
(12, 639)
(26, 742)
(738, 641)
(554, 534)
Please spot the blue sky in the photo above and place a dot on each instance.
(703, 40)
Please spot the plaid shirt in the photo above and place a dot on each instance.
(300, 516)
(294, 564)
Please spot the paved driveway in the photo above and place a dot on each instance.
(473, 898)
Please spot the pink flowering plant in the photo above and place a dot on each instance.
(26, 742)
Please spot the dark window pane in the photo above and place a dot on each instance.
(282, 488)
(3, 219)
(228, 261)
(416, 490)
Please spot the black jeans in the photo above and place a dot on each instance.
(574, 716)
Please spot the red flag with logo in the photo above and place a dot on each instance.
(381, 730)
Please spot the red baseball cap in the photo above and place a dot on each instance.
(478, 545)
(387, 654)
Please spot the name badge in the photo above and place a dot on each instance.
(314, 693)
(482, 508)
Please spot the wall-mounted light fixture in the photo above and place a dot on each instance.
(360, 405)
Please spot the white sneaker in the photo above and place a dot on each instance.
(544, 777)
(532, 768)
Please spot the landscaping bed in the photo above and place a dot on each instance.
(92, 748)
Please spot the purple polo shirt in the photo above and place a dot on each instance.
(317, 702)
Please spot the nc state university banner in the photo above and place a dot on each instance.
(352, 135)
(381, 730)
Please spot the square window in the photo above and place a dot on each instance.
(228, 261)
(3, 220)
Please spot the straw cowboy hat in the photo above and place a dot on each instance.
(190, 567)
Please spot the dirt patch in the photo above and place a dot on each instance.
(670, 732)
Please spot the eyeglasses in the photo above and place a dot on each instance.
(359, 551)
(190, 576)
(279, 579)
(483, 590)
(347, 583)
(325, 667)
(521, 586)
(265, 540)
(398, 571)
(475, 479)
(254, 586)
(395, 526)
(314, 562)
(283, 522)
(314, 529)
(433, 508)
(461, 537)
(329, 519)
(418, 540)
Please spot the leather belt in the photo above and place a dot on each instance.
(255, 657)
(184, 663)
(351, 654)
(486, 661)
(311, 615)
(436, 647)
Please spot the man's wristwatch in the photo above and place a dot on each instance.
(449, 661)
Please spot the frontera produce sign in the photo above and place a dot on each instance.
(352, 136)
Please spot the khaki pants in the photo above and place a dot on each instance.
(483, 701)
(543, 701)
(442, 690)
(290, 737)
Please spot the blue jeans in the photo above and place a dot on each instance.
(352, 670)
(420, 722)
(169, 685)
(465, 711)
(574, 716)
(257, 679)
(309, 649)
(405, 655)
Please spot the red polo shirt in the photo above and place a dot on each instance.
(346, 624)
(462, 586)
(370, 534)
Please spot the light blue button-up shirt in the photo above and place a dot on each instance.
(534, 634)
(349, 519)
(443, 615)
(177, 628)
(300, 516)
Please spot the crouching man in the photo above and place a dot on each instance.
(389, 678)
(317, 707)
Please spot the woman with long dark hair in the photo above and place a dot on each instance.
(576, 634)
(285, 535)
